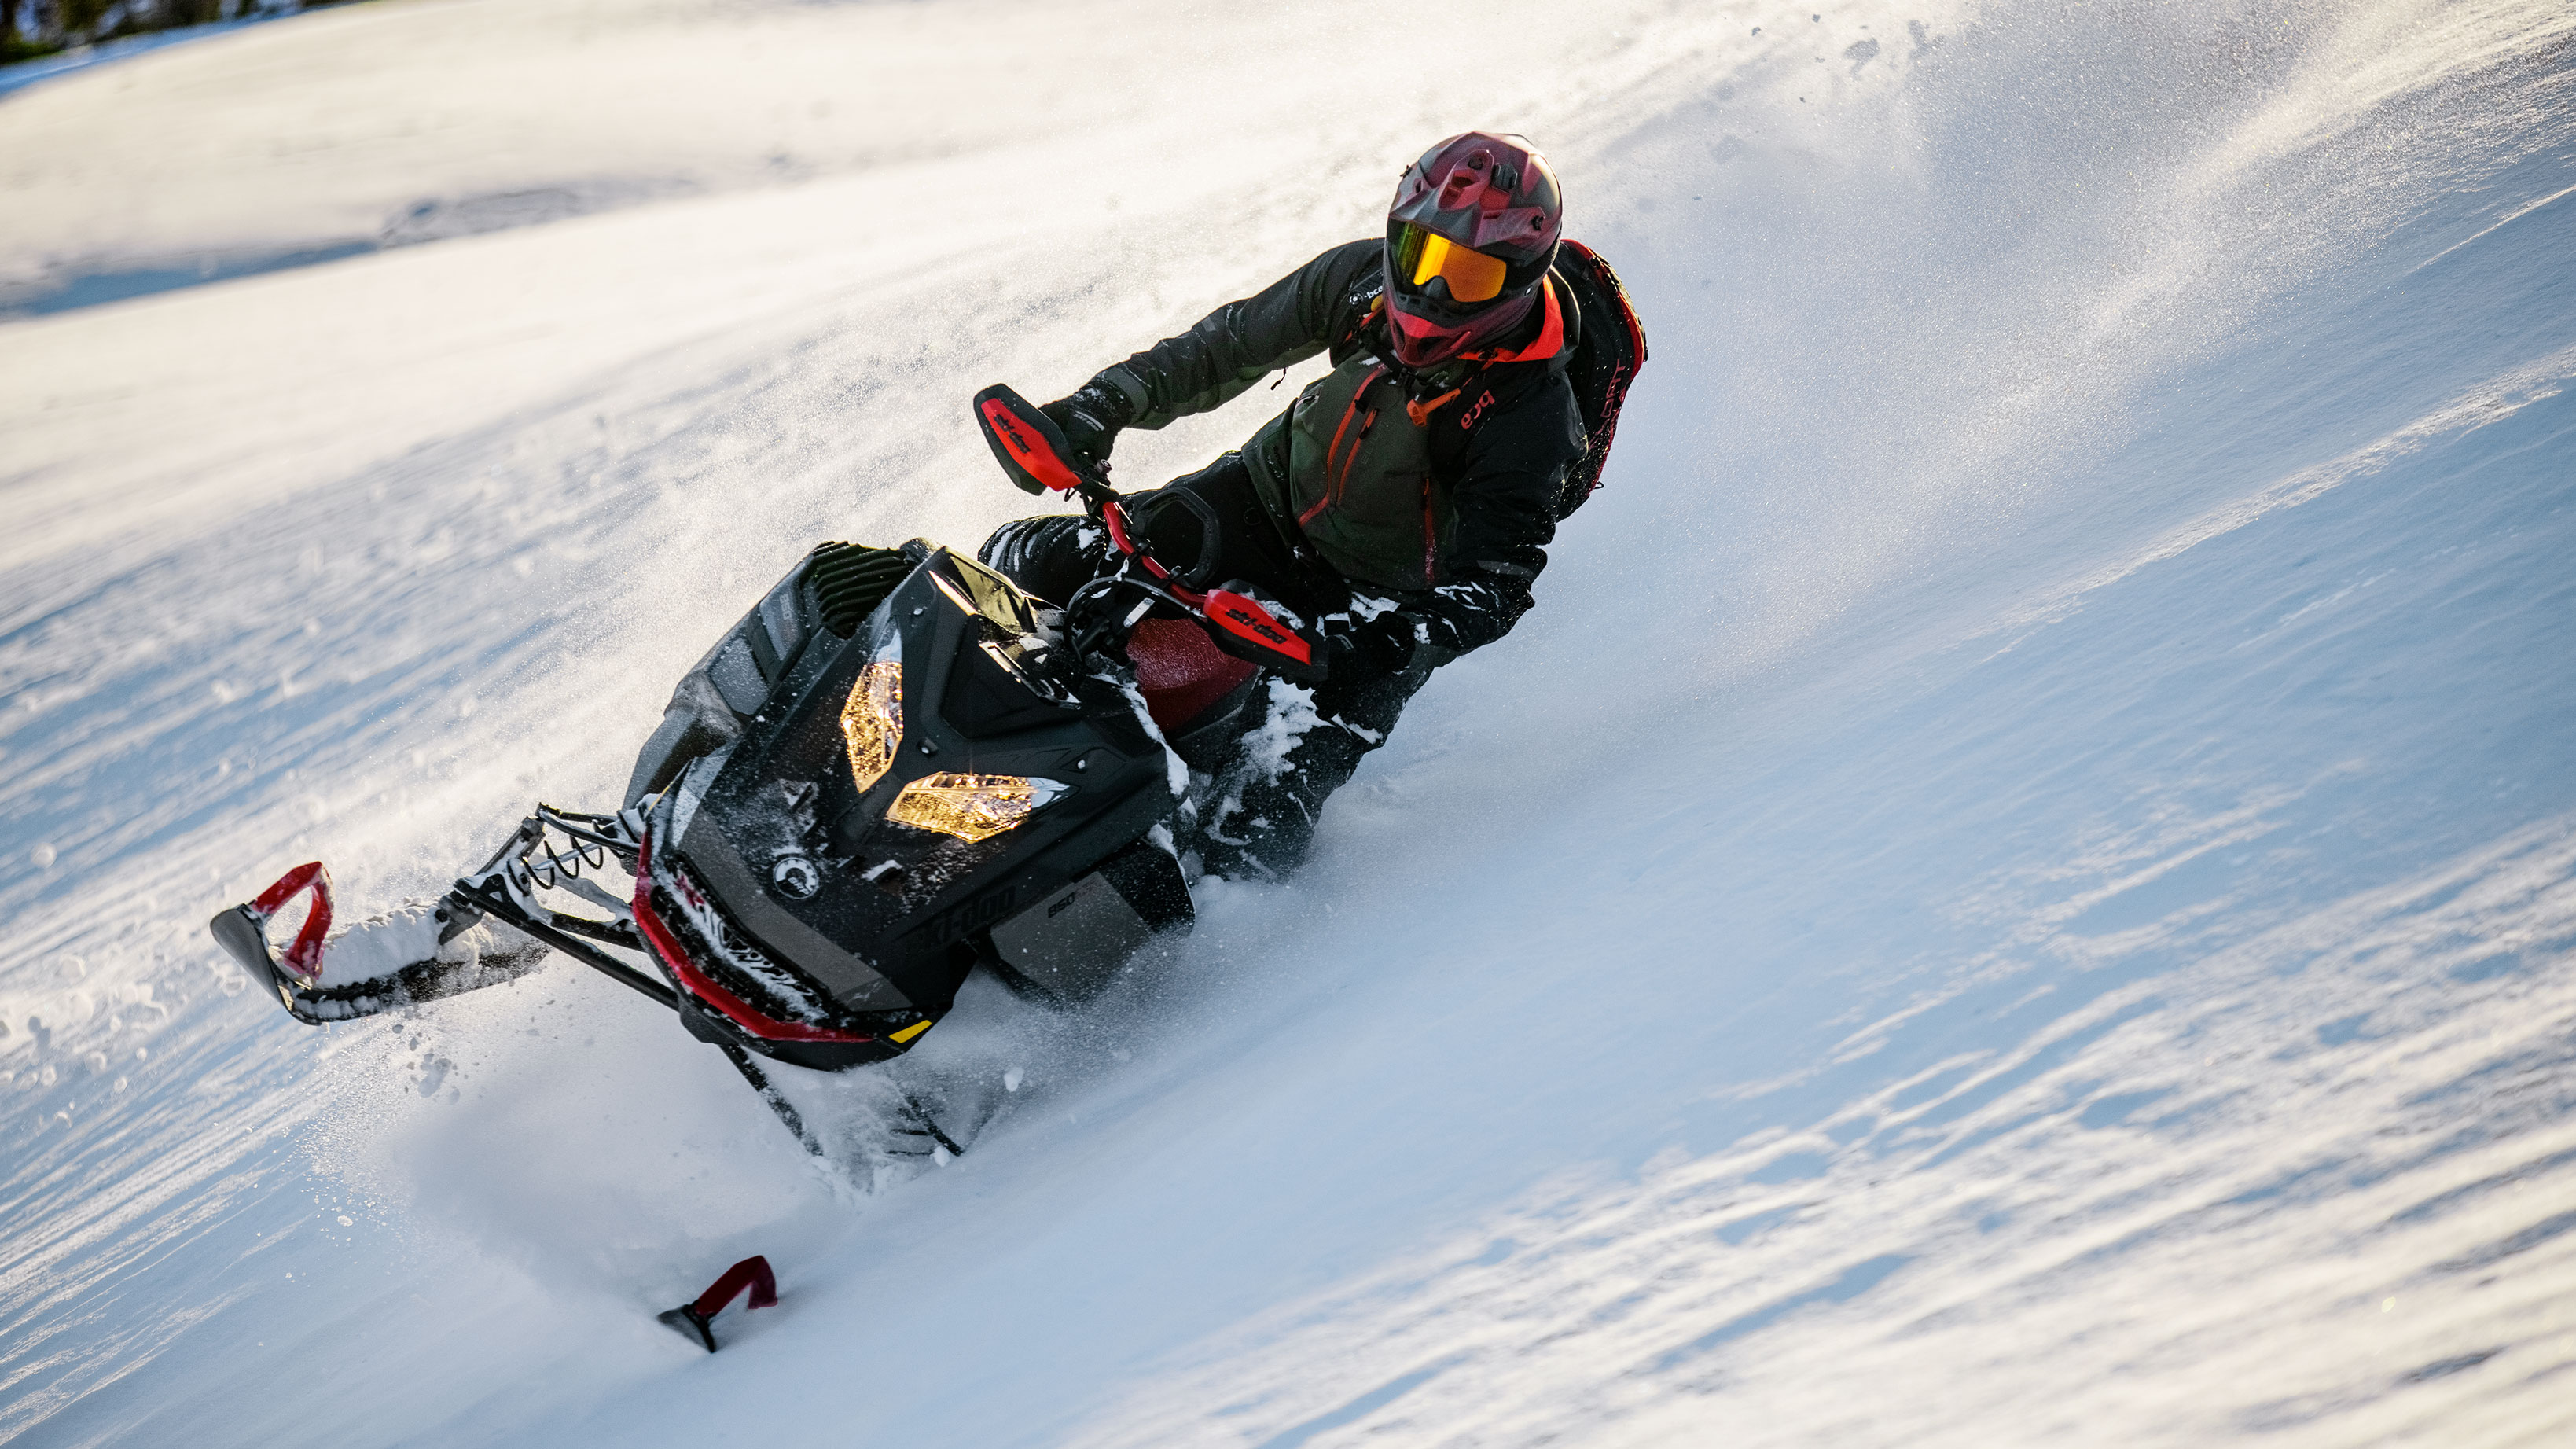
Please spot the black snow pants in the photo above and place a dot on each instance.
(1258, 818)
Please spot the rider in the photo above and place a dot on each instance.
(1405, 499)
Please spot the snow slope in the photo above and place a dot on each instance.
(2019, 887)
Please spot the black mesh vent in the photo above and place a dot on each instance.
(849, 580)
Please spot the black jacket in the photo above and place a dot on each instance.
(1501, 442)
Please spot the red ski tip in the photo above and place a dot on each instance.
(304, 957)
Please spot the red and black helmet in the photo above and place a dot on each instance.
(1469, 240)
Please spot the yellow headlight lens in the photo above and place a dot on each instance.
(872, 721)
(970, 807)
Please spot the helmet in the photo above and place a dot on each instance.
(1469, 240)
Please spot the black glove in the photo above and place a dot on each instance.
(1380, 648)
(1091, 418)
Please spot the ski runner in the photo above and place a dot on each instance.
(1406, 499)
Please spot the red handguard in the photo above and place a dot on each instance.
(1247, 628)
(1026, 442)
(1033, 451)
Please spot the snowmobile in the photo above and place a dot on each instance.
(897, 769)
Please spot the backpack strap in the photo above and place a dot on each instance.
(1363, 318)
(1606, 359)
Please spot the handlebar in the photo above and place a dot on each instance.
(1240, 619)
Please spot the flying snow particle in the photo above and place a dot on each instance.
(42, 855)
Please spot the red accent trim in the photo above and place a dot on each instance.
(1412, 326)
(1551, 335)
(753, 1273)
(1421, 412)
(1335, 487)
(304, 957)
(1246, 619)
(675, 956)
(1617, 393)
(1027, 448)
(1115, 518)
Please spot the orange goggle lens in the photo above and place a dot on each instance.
(1472, 276)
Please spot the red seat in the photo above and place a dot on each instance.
(1180, 671)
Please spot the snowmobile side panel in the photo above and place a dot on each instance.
(696, 723)
(782, 627)
(1072, 944)
(737, 675)
(831, 592)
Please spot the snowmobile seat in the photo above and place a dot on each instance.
(1192, 689)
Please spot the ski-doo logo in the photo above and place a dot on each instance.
(974, 914)
(1246, 622)
(1024, 440)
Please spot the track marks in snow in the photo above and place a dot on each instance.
(2427, 1152)
(2488, 403)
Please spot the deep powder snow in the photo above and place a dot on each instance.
(2018, 888)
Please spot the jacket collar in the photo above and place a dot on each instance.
(1548, 343)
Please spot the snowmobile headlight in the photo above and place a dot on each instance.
(872, 721)
(970, 807)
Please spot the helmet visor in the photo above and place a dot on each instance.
(1422, 255)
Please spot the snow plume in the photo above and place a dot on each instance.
(2013, 889)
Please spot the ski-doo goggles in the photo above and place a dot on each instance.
(1422, 255)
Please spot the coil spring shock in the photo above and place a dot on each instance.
(533, 865)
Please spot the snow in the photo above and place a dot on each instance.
(2018, 888)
